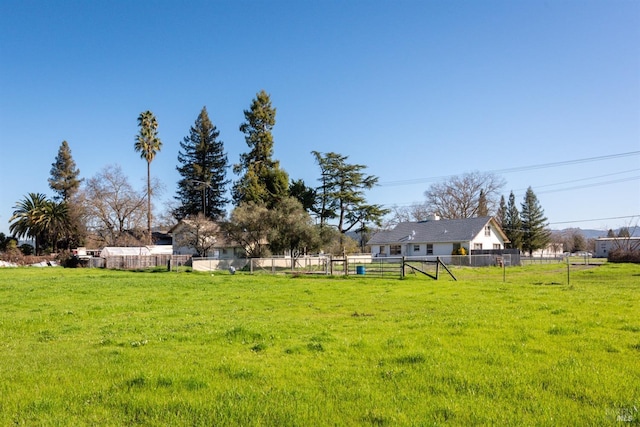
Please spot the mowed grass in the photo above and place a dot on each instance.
(95, 347)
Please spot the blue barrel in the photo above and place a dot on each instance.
(360, 270)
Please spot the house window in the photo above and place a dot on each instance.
(496, 246)
(477, 246)
(487, 230)
(429, 249)
(395, 250)
(416, 248)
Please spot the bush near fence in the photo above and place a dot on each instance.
(620, 255)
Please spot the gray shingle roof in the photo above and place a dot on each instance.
(440, 231)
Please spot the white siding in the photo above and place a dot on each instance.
(604, 245)
(487, 241)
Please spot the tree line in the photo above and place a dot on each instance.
(271, 213)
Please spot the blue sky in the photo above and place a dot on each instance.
(415, 90)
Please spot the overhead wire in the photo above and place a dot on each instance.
(515, 169)
(549, 165)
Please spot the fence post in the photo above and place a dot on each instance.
(504, 269)
(402, 268)
(438, 267)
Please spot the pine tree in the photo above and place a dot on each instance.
(624, 232)
(483, 209)
(502, 211)
(203, 167)
(534, 224)
(305, 195)
(64, 174)
(65, 183)
(263, 180)
(512, 224)
(341, 194)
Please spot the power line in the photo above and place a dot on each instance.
(567, 162)
(516, 169)
(520, 192)
(580, 179)
(595, 184)
(596, 219)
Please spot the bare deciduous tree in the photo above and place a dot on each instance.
(249, 226)
(116, 212)
(200, 234)
(414, 212)
(458, 197)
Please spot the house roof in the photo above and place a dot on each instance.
(436, 231)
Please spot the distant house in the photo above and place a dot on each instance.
(221, 248)
(604, 245)
(552, 250)
(439, 237)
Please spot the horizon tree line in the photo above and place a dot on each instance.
(107, 208)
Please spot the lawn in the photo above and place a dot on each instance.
(95, 347)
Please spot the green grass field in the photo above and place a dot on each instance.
(95, 347)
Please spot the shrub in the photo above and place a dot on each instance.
(460, 251)
(26, 249)
(624, 255)
(68, 260)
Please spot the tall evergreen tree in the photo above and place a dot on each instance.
(263, 180)
(341, 194)
(512, 224)
(65, 183)
(64, 174)
(501, 212)
(148, 144)
(624, 232)
(305, 195)
(483, 209)
(534, 224)
(203, 167)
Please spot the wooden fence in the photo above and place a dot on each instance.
(135, 262)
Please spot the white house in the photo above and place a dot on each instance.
(549, 251)
(604, 245)
(439, 237)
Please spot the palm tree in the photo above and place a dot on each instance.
(55, 221)
(27, 218)
(148, 144)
